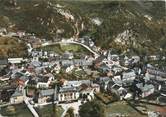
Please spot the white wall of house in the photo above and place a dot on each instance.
(68, 96)
(16, 100)
(42, 85)
(42, 100)
(147, 92)
(15, 60)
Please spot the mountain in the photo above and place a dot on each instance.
(137, 26)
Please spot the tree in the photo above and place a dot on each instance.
(70, 112)
(91, 109)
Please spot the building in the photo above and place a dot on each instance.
(128, 76)
(76, 62)
(156, 72)
(71, 90)
(146, 90)
(66, 62)
(117, 90)
(104, 68)
(68, 55)
(44, 81)
(68, 94)
(103, 82)
(163, 90)
(117, 80)
(82, 62)
(88, 91)
(17, 97)
(45, 95)
(15, 60)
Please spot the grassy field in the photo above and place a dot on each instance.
(47, 111)
(20, 111)
(61, 48)
(160, 63)
(121, 108)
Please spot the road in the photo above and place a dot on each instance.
(71, 42)
(30, 107)
(33, 111)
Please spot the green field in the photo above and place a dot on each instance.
(61, 48)
(47, 111)
(121, 108)
(19, 110)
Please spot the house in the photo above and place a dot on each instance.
(136, 59)
(82, 62)
(154, 57)
(126, 61)
(3, 31)
(156, 72)
(31, 88)
(21, 80)
(76, 62)
(17, 97)
(45, 95)
(12, 34)
(88, 91)
(163, 89)
(4, 78)
(146, 90)
(117, 80)
(71, 90)
(15, 60)
(104, 68)
(3, 62)
(103, 82)
(66, 62)
(116, 89)
(162, 100)
(21, 34)
(68, 55)
(36, 63)
(128, 76)
(44, 81)
(68, 94)
(36, 42)
(116, 69)
(56, 67)
(99, 61)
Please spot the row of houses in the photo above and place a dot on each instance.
(156, 72)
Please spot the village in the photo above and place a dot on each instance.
(46, 77)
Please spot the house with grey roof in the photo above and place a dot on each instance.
(17, 97)
(46, 95)
(76, 62)
(82, 62)
(68, 93)
(44, 81)
(72, 89)
(156, 72)
(146, 90)
(128, 76)
(68, 55)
